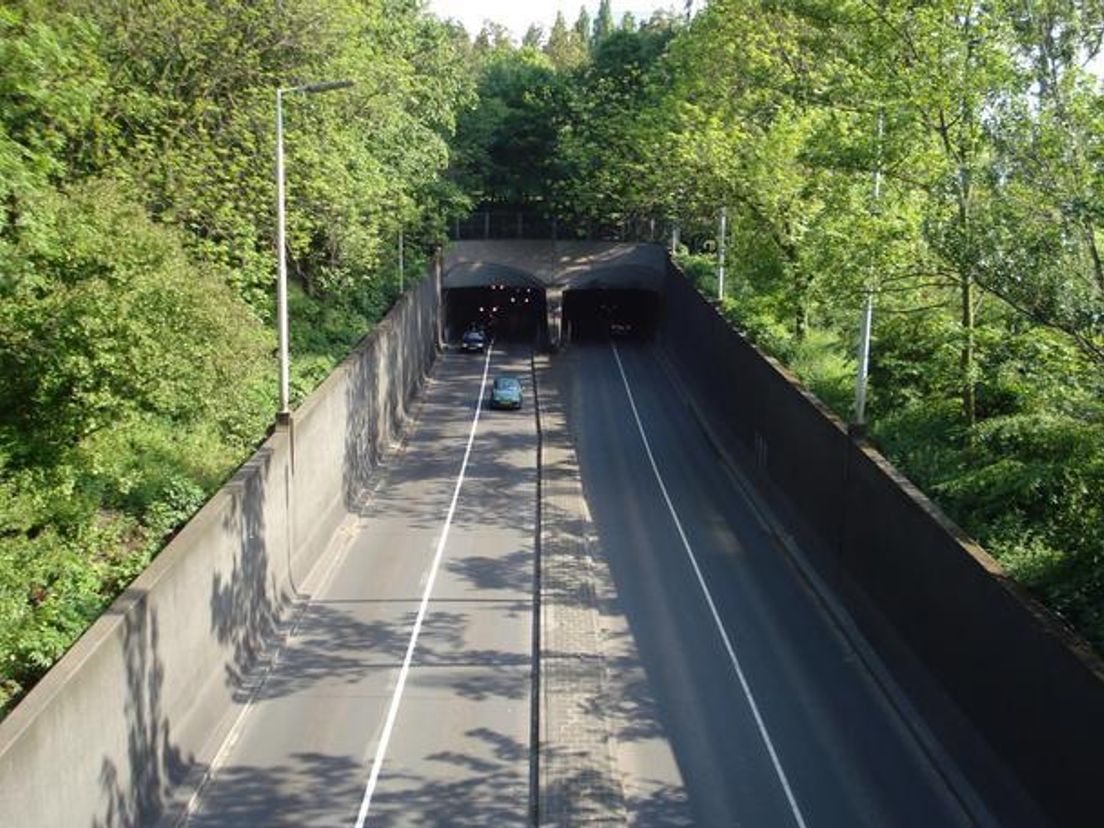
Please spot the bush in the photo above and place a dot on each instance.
(1029, 487)
(825, 367)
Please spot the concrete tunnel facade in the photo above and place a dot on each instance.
(550, 292)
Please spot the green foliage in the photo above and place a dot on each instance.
(107, 319)
(504, 146)
(603, 24)
(825, 366)
(943, 158)
(567, 48)
(599, 172)
(1028, 487)
(129, 394)
(137, 268)
(325, 331)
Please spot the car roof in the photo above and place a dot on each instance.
(500, 381)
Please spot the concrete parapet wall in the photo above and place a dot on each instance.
(913, 580)
(126, 724)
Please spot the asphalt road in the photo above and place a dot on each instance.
(733, 698)
(309, 743)
(744, 706)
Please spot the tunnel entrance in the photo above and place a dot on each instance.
(597, 314)
(509, 313)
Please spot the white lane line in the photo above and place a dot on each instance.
(237, 729)
(709, 600)
(396, 698)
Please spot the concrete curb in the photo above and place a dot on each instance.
(578, 779)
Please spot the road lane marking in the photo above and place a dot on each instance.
(396, 698)
(853, 643)
(331, 560)
(709, 600)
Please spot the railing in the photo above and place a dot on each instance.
(528, 223)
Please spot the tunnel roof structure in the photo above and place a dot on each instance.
(567, 265)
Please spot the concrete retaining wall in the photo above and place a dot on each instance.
(910, 577)
(125, 724)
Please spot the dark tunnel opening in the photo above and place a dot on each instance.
(591, 314)
(509, 313)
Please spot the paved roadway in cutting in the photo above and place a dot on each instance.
(688, 743)
(805, 737)
(459, 754)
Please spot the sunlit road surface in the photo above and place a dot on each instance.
(458, 753)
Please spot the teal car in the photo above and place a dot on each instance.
(505, 393)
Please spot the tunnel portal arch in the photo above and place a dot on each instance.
(553, 292)
(622, 301)
(507, 301)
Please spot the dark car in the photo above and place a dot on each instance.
(505, 393)
(473, 340)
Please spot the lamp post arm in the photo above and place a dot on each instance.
(327, 86)
(321, 86)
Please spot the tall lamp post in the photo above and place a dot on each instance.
(402, 263)
(858, 425)
(281, 236)
(722, 236)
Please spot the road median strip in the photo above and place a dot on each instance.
(578, 778)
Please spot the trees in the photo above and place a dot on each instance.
(958, 68)
(136, 262)
(600, 174)
(603, 24)
(1042, 227)
(504, 146)
(566, 48)
(943, 157)
(583, 25)
(110, 321)
(492, 37)
(534, 37)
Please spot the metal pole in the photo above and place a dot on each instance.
(864, 361)
(281, 274)
(721, 253)
(402, 263)
(281, 238)
(868, 312)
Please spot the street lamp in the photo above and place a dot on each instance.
(722, 235)
(858, 425)
(281, 235)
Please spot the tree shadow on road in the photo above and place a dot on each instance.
(485, 784)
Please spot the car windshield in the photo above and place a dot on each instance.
(473, 335)
(507, 384)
